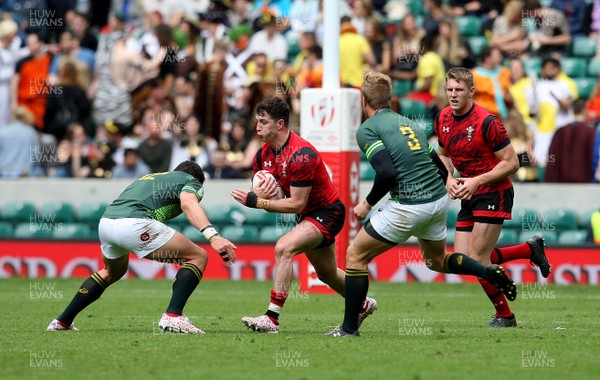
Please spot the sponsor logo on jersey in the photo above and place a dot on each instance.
(491, 207)
(145, 236)
(445, 129)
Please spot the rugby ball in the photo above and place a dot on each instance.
(263, 175)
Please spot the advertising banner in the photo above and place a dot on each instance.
(256, 262)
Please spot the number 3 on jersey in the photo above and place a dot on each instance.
(413, 143)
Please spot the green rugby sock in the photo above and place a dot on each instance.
(356, 286)
(186, 280)
(90, 291)
(459, 263)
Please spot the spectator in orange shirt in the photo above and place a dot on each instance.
(592, 106)
(311, 74)
(492, 83)
(31, 79)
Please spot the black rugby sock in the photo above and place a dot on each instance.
(459, 263)
(90, 291)
(356, 286)
(186, 280)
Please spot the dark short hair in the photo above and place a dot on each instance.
(316, 50)
(276, 107)
(486, 52)
(532, 5)
(129, 151)
(37, 34)
(550, 60)
(192, 168)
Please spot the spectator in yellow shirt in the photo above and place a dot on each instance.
(518, 90)
(355, 52)
(430, 72)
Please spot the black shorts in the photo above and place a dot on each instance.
(329, 220)
(490, 208)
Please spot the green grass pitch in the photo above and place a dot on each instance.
(421, 331)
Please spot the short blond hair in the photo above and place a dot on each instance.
(8, 28)
(512, 9)
(460, 74)
(377, 90)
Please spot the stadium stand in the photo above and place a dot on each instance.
(468, 26)
(573, 66)
(573, 238)
(72, 231)
(259, 218)
(561, 219)
(15, 212)
(6, 230)
(23, 219)
(413, 109)
(367, 173)
(58, 212)
(90, 213)
(583, 47)
(241, 233)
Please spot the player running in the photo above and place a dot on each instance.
(301, 173)
(476, 143)
(134, 222)
(418, 204)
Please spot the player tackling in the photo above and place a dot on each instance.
(298, 168)
(134, 222)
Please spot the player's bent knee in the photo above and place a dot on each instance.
(199, 257)
(282, 252)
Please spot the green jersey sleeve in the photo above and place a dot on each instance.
(369, 141)
(193, 186)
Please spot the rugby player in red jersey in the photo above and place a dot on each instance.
(475, 142)
(298, 168)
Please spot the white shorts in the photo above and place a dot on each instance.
(397, 222)
(118, 237)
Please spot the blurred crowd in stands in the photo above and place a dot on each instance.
(123, 88)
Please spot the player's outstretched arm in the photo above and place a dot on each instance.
(197, 217)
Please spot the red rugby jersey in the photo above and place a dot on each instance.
(471, 143)
(298, 164)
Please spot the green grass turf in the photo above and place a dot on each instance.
(421, 331)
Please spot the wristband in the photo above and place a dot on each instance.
(252, 200)
(209, 232)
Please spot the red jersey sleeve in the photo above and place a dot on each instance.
(303, 166)
(257, 161)
(436, 127)
(495, 134)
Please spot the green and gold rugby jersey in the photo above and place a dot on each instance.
(154, 196)
(417, 178)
